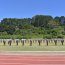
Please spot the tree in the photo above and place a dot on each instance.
(41, 20)
(10, 30)
(57, 20)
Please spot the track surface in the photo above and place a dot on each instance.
(32, 59)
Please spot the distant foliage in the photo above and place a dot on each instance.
(39, 26)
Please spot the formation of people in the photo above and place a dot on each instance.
(31, 42)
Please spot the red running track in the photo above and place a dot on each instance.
(32, 60)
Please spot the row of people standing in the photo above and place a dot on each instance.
(34, 41)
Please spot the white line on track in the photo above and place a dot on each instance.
(33, 51)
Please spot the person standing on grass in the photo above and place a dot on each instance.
(39, 41)
(55, 41)
(4, 42)
(30, 42)
(17, 42)
(22, 42)
(9, 42)
(62, 41)
(47, 42)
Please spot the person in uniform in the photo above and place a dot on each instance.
(47, 42)
(30, 42)
(22, 42)
(39, 41)
(10, 42)
(17, 42)
(4, 42)
(62, 41)
(55, 41)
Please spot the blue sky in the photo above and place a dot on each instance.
(29, 8)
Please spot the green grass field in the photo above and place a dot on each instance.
(34, 47)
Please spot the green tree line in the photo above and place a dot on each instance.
(39, 26)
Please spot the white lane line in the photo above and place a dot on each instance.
(34, 52)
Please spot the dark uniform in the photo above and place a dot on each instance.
(39, 41)
(17, 42)
(47, 42)
(9, 42)
(22, 42)
(55, 41)
(62, 41)
(30, 42)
